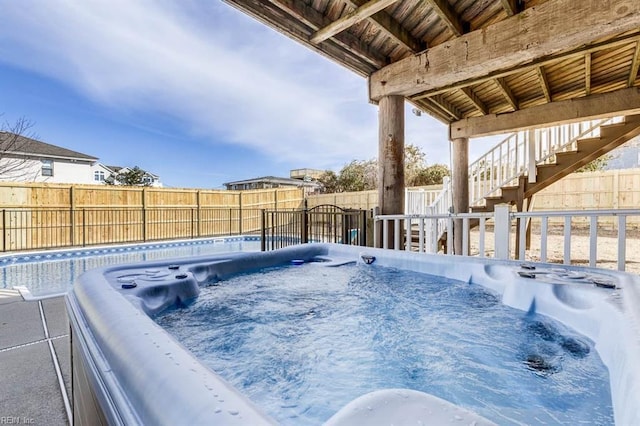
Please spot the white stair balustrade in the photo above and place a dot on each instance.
(520, 153)
(429, 202)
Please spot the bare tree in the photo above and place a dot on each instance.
(14, 138)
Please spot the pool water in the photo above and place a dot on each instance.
(48, 273)
(303, 341)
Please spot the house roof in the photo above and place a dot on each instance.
(118, 169)
(272, 179)
(21, 145)
(483, 67)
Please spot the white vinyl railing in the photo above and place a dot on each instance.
(428, 202)
(419, 200)
(520, 153)
(502, 220)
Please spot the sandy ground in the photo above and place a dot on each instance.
(607, 249)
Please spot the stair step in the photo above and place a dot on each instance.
(591, 144)
(606, 131)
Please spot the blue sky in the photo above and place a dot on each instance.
(194, 91)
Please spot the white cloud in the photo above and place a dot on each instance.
(219, 73)
(225, 77)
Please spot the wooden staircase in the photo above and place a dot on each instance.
(502, 175)
(566, 162)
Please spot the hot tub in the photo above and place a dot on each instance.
(128, 370)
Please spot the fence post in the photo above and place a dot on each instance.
(363, 228)
(72, 219)
(305, 226)
(263, 230)
(502, 224)
(240, 227)
(144, 215)
(198, 213)
(377, 227)
(84, 227)
(192, 221)
(72, 222)
(4, 230)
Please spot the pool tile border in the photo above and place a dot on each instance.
(36, 256)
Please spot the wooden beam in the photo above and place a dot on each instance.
(587, 74)
(429, 107)
(313, 19)
(635, 64)
(391, 28)
(510, 6)
(538, 32)
(618, 41)
(449, 16)
(446, 106)
(544, 83)
(507, 93)
(475, 100)
(620, 102)
(363, 12)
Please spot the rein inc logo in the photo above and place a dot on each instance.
(16, 420)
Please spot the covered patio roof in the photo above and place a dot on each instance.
(483, 67)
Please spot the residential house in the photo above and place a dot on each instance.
(23, 159)
(102, 173)
(267, 182)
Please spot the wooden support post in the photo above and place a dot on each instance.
(460, 187)
(391, 158)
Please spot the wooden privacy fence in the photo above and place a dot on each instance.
(48, 216)
(31, 229)
(604, 190)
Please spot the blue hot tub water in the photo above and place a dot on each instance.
(303, 341)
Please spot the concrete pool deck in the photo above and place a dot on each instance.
(35, 362)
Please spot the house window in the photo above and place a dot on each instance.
(47, 168)
(98, 176)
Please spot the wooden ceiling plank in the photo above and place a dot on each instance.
(635, 64)
(534, 34)
(449, 16)
(522, 69)
(510, 7)
(475, 100)
(391, 28)
(314, 20)
(620, 102)
(544, 83)
(361, 13)
(507, 93)
(587, 73)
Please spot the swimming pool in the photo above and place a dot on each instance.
(110, 313)
(51, 273)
